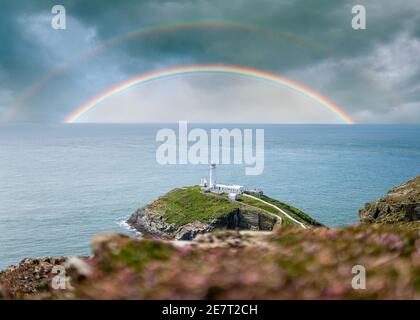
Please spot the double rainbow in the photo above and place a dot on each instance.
(156, 30)
(221, 69)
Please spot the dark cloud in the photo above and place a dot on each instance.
(309, 41)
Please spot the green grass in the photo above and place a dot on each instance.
(185, 205)
(292, 211)
(189, 204)
(260, 205)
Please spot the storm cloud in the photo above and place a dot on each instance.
(373, 74)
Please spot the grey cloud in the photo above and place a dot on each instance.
(386, 51)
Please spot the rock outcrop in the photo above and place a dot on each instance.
(401, 204)
(150, 221)
(29, 277)
(40, 277)
(183, 213)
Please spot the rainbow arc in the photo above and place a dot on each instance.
(220, 69)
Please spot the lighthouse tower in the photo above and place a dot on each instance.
(212, 181)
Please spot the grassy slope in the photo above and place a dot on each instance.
(292, 211)
(188, 204)
(185, 205)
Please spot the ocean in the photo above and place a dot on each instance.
(62, 184)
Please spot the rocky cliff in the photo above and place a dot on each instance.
(401, 204)
(184, 213)
(152, 222)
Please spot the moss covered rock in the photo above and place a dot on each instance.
(401, 204)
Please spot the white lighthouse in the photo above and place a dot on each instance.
(233, 190)
(212, 182)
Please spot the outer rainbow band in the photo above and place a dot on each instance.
(176, 71)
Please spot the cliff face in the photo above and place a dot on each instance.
(151, 220)
(401, 204)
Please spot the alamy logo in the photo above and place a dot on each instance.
(192, 147)
(59, 282)
(359, 280)
(58, 22)
(359, 19)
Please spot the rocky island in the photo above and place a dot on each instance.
(184, 213)
(296, 258)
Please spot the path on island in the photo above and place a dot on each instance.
(277, 208)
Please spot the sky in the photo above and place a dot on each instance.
(373, 75)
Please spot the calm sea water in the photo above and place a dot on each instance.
(62, 184)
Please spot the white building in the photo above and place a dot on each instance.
(233, 190)
(212, 186)
(228, 188)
